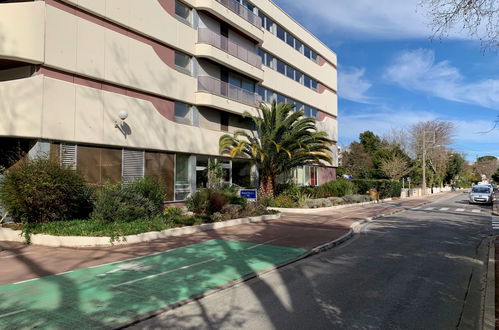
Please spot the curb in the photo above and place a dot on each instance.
(489, 306)
(7, 234)
(321, 209)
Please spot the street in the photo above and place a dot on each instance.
(419, 269)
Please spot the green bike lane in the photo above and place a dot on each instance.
(110, 295)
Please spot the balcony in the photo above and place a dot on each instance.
(226, 90)
(217, 40)
(242, 11)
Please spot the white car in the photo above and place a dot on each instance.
(481, 194)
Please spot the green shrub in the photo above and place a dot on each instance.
(385, 188)
(173, 210)
(356, 198)
(38, 191)
(284, 201)
(338, 188)
(149, 188)
(139, 200)
(318, 202)
(207, 201)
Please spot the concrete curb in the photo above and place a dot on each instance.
(322, 209)
(489, 305)
(7, 234)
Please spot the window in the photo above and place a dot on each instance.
(183, 62)
(201, 172)
(249, 86)
(281, 34)
(290, 72)
(270, 61)
(298, 45)
(281, 67)
(307, 81)
(280, 98)
(182, 12)
(311, 176)
(306, 51)
(183, 113)
(308, 111)
(182, 184)
(299, 77)
(133, 165)
(315, 84)
(241, 173)
(224, 121)
(269, 24)
(314, 113)
(270, 96)
(290, 40)
(261, 91)
(261, 53)
(313, 56)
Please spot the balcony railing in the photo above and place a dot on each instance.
(212, 38)
(221, 88)
(242, 11)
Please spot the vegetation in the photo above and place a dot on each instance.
(40, 191)
(283, 139)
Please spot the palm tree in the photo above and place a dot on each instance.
(282, 140)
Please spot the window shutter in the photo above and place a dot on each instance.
(68, 155)
(133, 164)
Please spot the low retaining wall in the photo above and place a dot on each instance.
(321, 209)
(418, 192)
(495, 205)
(7, 234)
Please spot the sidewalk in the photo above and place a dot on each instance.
(103, 287)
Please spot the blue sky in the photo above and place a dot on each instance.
(391, 75)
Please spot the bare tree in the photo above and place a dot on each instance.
(487, 168)
(429, 141)
(480, 18)
(395, 168)
(398, 137)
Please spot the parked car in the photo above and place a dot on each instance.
(481, 194)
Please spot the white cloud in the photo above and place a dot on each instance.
(418, 71)
(353, 86)
(364, 19)
(468, 134)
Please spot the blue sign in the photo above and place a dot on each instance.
(248, 193)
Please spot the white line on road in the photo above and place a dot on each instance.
(13, 313)
(459, 210)
(475, 211)
(444, 209)
(272, 240)
(163, 273)
(429, 208)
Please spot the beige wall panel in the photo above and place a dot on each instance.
(209, 118)
(326, 101)
(270, 9)
(326, 73)
(21, 107)
(91, 44)
(220, 56)
(96, 6)
(22, 31)
(58, 110)
(222, 103)
(329, 125)
(61, 39)
(119, 10)
(89, 114)
(117, 68)
(227, 15)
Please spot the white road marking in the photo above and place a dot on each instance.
(163, 273)
(13, 313)
(26, 281)
(429, 208)
(475, 211)
(444, 209)
(272, 240)
(459, 210)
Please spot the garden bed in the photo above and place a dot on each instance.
(81, 233)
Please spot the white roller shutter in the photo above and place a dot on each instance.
(68, 155)
(133, 164)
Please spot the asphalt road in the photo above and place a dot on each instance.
(420, 269)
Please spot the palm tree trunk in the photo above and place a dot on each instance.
(266, 188)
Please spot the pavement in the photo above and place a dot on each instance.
(419, 269)
(114, 286)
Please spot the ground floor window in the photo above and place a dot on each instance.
(305, 176)
(182, 177)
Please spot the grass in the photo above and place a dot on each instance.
(96, 228)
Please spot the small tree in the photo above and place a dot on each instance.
(395, 168)
(282, 140)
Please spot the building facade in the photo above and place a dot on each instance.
(127, 88)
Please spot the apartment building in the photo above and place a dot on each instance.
(127, 88)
